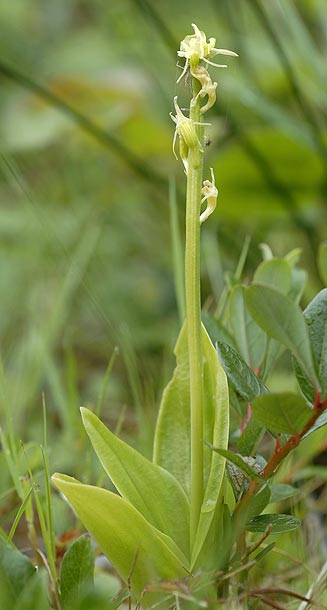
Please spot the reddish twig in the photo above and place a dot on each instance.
(281, 453)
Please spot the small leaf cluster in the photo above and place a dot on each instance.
(258, 322)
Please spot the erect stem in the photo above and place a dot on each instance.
(193, 315)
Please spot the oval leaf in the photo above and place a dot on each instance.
(239, 374)
(77, 570)
(283, 320)
(276, 273)
(251, 341)
(153, 491)
(280, 524)
(281, 491)
(316, 318)
(285, 413)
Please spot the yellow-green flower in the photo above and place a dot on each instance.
(195, 48)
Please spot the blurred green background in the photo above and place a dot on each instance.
(86, 159)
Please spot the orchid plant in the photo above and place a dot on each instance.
(161, 525)
(178, 522)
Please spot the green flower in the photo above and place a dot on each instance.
(196, 48)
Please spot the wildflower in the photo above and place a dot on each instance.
(185, 129)
(208, 88)
(195, 48)
(210, 193)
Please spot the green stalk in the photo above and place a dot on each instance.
(193, 315)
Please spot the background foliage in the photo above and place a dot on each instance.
(86, 158)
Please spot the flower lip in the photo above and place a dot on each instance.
(195, 48)
(197, 45)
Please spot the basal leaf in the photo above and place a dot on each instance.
(153, 491)
(216, 432)
(77, 570)
(239, 374)
(172, 438)
(138, 551)
(275, 273)
(282, 413)
(172, 435)
(322, 261)
(251, 340)
(283, 320)
(280, 524)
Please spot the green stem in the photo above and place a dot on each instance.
(193, 318)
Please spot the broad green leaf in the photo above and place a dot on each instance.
(280, 524)
(77, 570)
(250, 437)
(283, 320)
(172, 437)
(297, 279)
(216, 432)
(250, 338)
(138, 551)
(322, 261)
(283, 413)
(275, 273)
(218, 546)
(316, 318)
(35, 595)
(16, 570)
(239, 374)
(153, 491)
(281, 491)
